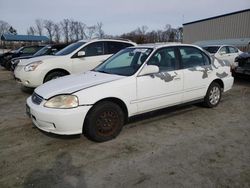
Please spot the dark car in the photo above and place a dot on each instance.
(49, 49)
(7, 55)
(23, 51)
(243, 67)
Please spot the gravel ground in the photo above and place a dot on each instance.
(188, 146)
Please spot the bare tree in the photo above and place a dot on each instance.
(90, 31)
(74, 30)
(4, 27)
(57, 32)
(82, 29)
(65, 29)
(99, 30)
(31, 31)
(49, 26)
(39, 26)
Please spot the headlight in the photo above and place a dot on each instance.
(32, 66)
(62, 101)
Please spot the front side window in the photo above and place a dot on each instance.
(223, 50)
(125, 62)
(193, 57)
(165, 59)
(94, 49)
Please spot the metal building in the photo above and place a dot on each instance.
(233, 26)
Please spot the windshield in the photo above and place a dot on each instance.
(70, 48)
(211, 49)
(18, 50)
(42, 51)
(125, 62)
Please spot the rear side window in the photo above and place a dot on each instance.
(114, 47)
(94, 49)
(193, 57)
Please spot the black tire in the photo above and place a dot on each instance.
(213, 95)
(8, 65)
(104, 122)
(54, 75)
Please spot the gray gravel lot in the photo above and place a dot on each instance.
(188, 146)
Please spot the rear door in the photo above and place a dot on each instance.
(197, 72)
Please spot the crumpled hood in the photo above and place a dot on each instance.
(40, 58)
(72, 83)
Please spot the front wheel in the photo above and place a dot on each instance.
(104, 122)
(213, 95)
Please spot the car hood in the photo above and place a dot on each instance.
(23, 57)
(39, 58)
(73, 83)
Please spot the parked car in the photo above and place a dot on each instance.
(77, 57)
(5, 56)
(49, 49)
(224, 52)
(133, 81)
(23, 51)
(242, 64)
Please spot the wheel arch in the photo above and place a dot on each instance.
(56, 70)
(220, 82)
(115, 100)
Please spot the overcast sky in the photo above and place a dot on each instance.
(117, 16)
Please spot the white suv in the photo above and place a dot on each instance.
(77, 57)
(134, 81)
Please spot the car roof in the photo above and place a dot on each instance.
(108, 39)
(218, 45)
(160, 45)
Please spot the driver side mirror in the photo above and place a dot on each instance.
(149, 69)
(81, 54)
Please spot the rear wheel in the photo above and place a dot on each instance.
(104, 122)
(54, 75)
(213, 95)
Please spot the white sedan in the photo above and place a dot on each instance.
(136, 80)
(224, 52)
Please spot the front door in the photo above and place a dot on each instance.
(94, 55)
(164, 88)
